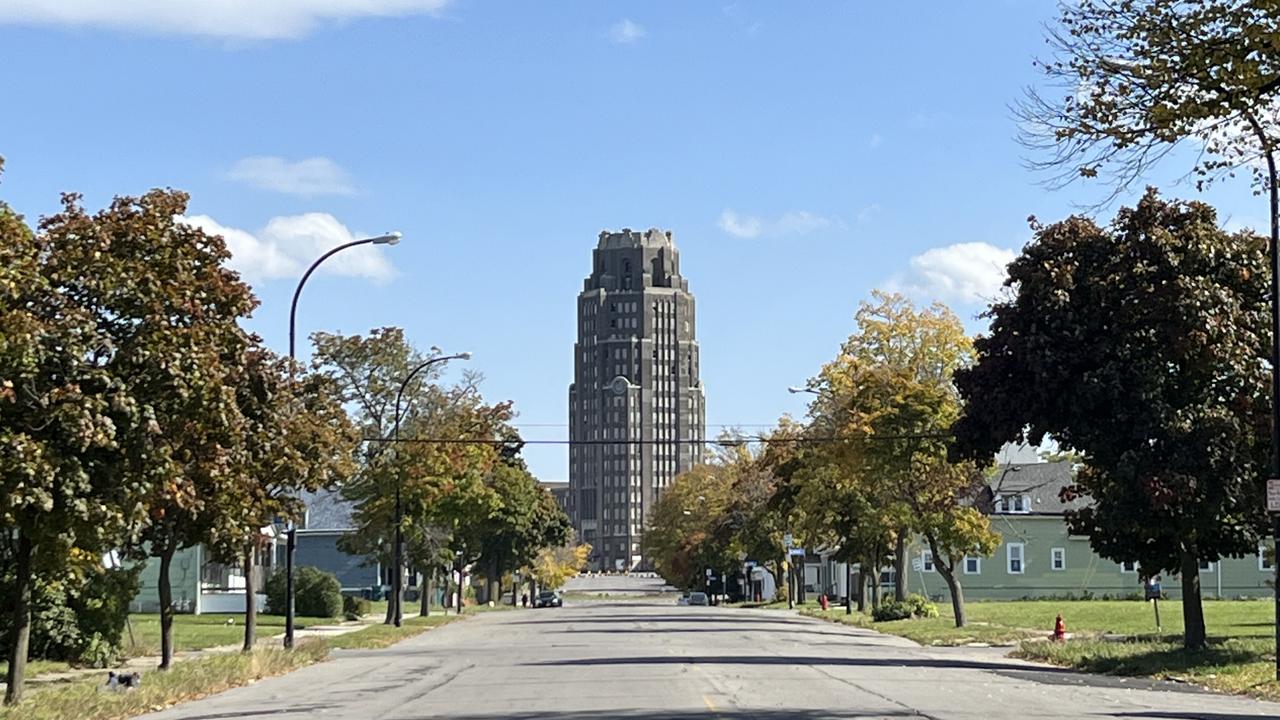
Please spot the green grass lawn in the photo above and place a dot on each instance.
(1112, 636)
(197, 632)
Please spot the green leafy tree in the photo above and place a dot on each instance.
(889, 401)
(172, 311)
(1143, 346)
(684, 536)
(297, 437)
(368, 372)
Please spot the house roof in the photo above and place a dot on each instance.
(1042, 482)
(327, 510)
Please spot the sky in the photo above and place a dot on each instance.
(803, 154)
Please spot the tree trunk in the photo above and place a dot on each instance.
(1193, 637)
(948, 573)
(20, 638)
(900, 569)
(429, 589)
(494, 589)
(875, 580)
(461, 577)
(848, 588)
(862, 591)
(166, 608)
(390, 617)
(250, 602)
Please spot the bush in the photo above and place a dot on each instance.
(76, 617)
(914, 606)
(354, 608)
(315, 593)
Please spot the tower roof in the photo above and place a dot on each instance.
(628, 238)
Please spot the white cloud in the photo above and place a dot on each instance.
(626, 32)
(740, 226)
(799, 222)
(242, 19)
(868, 212)
(965, 272)
(312, 176)
(288, 244)
(875, 140)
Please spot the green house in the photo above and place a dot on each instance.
(1038, 557)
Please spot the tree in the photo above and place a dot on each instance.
(1131, 79)
(64, 418)
(684, 535)
(162, 294)
(368, 372)
(1135, 78)
(1143, 346)
(297, 437)
(888, 402)
(554, 566)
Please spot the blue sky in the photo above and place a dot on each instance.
(803, 154)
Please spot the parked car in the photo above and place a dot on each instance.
(684, 599)
(698, 598)
(547, 598)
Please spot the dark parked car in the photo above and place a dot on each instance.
(547, 598)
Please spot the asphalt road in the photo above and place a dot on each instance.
(657, 661)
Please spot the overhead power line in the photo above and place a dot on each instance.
(725, 442)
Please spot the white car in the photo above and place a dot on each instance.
(684, 600)
(698, 598)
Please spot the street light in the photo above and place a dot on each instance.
(795, 389)
(291, 542)
(397, 586)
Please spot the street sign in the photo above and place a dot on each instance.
(708, 572)
(788, 540)
(1273, 495)
(917, 564)
(797, 552)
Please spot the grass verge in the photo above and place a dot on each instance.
(1111, 637)
(380, 636)
(188, 680)
(1234, 665)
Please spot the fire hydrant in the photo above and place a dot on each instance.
(1059, 630)
(822, 600)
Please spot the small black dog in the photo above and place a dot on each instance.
(124, 681)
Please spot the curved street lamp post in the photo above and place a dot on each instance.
(398, 580)
(291, 541)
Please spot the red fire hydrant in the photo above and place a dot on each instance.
(1059, 630)
(822, 600)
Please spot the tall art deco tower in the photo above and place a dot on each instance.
(636, 406)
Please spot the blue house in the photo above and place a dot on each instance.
(327, 519)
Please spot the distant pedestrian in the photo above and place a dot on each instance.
(524, 600)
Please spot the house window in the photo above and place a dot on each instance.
(1129, 566)
(972, 565)
(1265, 563)
(1207, 566)
(999, 504)
(926, 560)
(1014, 556)
(1058, 558)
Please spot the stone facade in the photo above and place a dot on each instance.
(636, 407)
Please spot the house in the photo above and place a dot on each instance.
(328, 517)
(200, 584)
(1038, 557)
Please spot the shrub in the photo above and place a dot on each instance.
(914, 606)
(77, 617)
(354, 608)
(315, 593)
